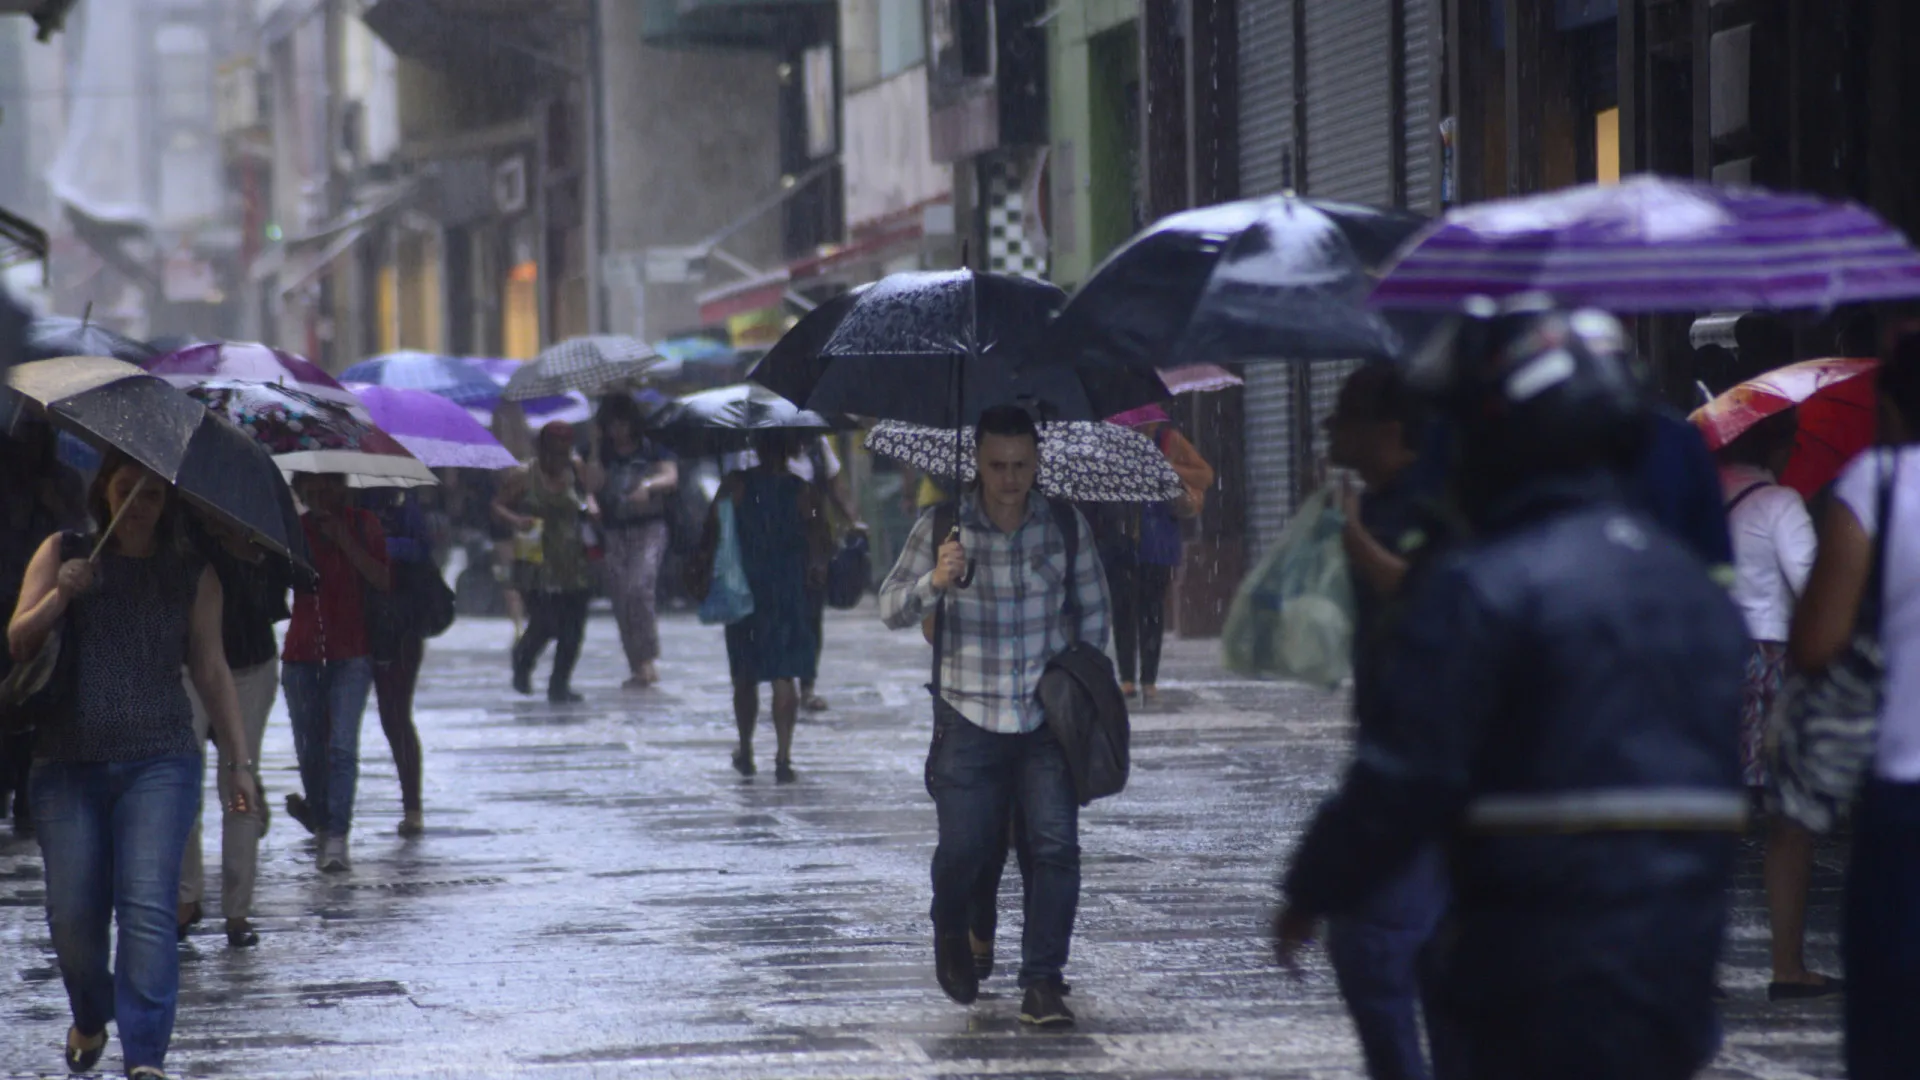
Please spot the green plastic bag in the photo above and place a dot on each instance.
(1292, 617)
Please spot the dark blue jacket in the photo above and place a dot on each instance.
(1570, 649)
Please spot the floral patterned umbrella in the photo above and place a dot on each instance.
(1079, 460)
(306, 433)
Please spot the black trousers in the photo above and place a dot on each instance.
(16, 758)
(553, 617)
(1139, 616)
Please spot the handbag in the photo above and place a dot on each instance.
(729, 598)
(40, 692)
(849, 572)
(1824, 729)
(1081, 696)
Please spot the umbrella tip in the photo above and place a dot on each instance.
(966, 254)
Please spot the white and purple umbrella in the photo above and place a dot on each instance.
(455, 378)
(438, 432)
(1656, 244)
(252, 362)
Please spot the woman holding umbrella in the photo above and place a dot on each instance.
(634, 502)
(116, 784)
(784, 547)
(547, 503)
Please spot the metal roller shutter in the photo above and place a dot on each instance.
(1269, 460)
(1266, 94)
(1423, 124)
(1350, 100)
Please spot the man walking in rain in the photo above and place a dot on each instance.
(1559, 706)
(1004, 588)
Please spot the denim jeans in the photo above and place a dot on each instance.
(111, 835)
(1377, 955)
(977, 778)
(325, 703)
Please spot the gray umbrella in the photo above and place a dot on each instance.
(590, 365)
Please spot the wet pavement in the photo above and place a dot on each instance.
(598, 894)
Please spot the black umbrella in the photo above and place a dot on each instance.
(1278, 278)
(935, 349)
(213, 464)
(727, 419)
(52, 336)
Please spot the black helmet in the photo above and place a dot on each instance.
(1538, 392)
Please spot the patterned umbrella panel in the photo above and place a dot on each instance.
(1836, 418)
(590, 365)
(1079, 460)
(1656, 244)
(305, 433)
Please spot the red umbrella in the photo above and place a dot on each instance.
(1835, 398)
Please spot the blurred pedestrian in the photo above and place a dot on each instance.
(253, 595)
(1773, 550)
(116, 783)
(1378, 951)
(1140, 547)
(635, 499)
(782, 529)
(1880, 928)
(398, 650)
(546, 504)
(993, 753)
(39, 496)
(1557, 706)
(327, 662)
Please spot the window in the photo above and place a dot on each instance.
(903, 36)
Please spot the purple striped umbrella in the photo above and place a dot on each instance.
(248, 361)
(1656, 244)
(438, 432)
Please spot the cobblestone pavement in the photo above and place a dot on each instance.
(599, 895)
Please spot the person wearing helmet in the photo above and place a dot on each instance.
(1558, 708)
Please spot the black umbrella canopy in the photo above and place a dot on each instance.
(52, 336)
(213, 464)
(1278, 278)
(793, 367)
(727, 419)
(939, 348)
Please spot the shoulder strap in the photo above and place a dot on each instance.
(1742, 497)
(1069, 523)
(1872, 609)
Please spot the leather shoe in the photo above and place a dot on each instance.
(953, 965)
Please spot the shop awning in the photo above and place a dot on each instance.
(443, 31)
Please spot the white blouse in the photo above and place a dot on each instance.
(1859, 488)
(1773, 548)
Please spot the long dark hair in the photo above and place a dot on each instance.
(166, 532)
(1899, 376)
(619, 407)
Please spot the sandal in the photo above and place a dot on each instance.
(743, 762)
(1828, 986)
(83, 1058)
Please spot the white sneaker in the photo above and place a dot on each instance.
(333, 855)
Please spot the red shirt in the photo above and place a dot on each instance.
(330, 624)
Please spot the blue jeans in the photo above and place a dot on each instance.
(977, 778)
(1880, 934)
(1377, 956)
(325, 703)
(111, 835)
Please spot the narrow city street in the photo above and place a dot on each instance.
(598, 894)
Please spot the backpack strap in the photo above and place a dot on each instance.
(1742, 497)
(945, 516)
(1069, 524)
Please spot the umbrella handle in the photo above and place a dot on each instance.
(966, 577)
(115, 523)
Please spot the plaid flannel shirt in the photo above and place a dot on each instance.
(1001, 630)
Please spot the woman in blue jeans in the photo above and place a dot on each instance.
(326, 665)
(116, 784)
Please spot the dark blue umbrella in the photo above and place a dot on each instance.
(52, 336)
(457, 379)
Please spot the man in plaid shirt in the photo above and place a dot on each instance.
(992, 750)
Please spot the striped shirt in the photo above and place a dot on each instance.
(1002, 629)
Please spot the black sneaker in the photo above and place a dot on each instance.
(1044, 1006)
(297, 810)
(563, 696)
(953, 965)
(523, 681)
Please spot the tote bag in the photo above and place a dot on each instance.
(729, 598)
